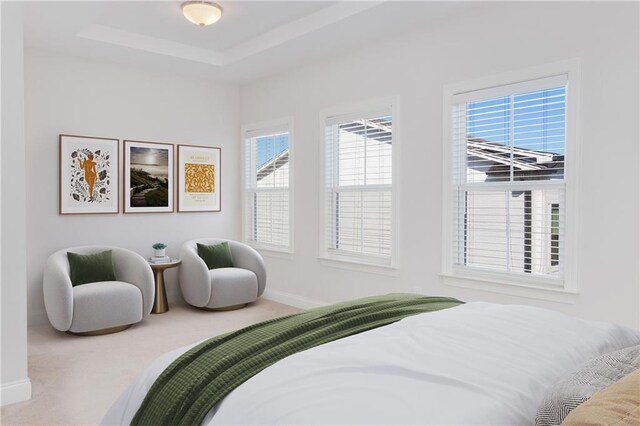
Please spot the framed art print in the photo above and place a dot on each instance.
(198, 179)
(88, 175)
(148, 177)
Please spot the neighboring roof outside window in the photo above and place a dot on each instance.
(527, 163)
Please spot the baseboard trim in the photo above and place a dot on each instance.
(292, 299)
(13, 392)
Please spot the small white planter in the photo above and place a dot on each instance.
(158, 252)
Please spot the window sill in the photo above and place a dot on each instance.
(276, 254)
(529, 290)
(358, 265)
(272, 251)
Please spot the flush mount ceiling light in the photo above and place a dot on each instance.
(201, 12)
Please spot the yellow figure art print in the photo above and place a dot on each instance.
(199, 178)
(90, 179)
(89, 168)
(88, 175)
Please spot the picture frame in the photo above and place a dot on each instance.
(199, 178)
(88, 175)
(148, 181)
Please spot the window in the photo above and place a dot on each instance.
(268, 195)
(554, 243)
(507, 182)
(358, 193)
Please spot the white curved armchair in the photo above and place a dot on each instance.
(100, 307)
(221, 288)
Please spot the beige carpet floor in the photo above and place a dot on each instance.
(76, 379)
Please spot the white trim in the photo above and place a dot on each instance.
(145, 43)
(292, 30)
(292, 299)
(16, 391)
(278, 126)
(395, 189)
(381, 106)
(358, 264)
(571, 68)
(506, 89)
(359, 109)
(338, 116)
(267, 129)
(274, 37)
(573, 160)
(516, 278)
(508, 287)
(273, 252)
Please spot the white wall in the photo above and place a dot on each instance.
(75, 96)
(415, 67)
(15, 385)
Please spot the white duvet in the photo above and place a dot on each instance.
(477, 363)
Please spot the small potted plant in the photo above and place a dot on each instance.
(158, 249)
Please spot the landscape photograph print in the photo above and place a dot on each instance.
(88, 175)
(148, 180)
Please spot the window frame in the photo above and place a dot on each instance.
(506, 282)
(554, 244)
(266, 128)
(345, 260)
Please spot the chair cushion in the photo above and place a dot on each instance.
(90, 268)
(105, 304)
(216, 256)
(232, 286)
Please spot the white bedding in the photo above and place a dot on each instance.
(477, 363)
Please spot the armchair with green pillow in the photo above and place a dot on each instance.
(97, 289)
(91, 268)
(219, 274)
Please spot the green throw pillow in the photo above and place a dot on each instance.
(217, 256)
(91, 268)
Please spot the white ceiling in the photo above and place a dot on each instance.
(253, 38)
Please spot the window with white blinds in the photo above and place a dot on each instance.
(508, 178)
(267, 203)
(358, 223)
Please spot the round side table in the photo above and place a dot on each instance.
(160, 304)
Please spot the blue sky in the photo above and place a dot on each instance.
(269, 147)
(539, 120)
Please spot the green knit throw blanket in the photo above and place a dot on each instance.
(199, 379)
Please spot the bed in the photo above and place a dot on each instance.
(473, 363)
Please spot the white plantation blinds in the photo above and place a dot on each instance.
(267, 190)
(508, 178)
(358, 186)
